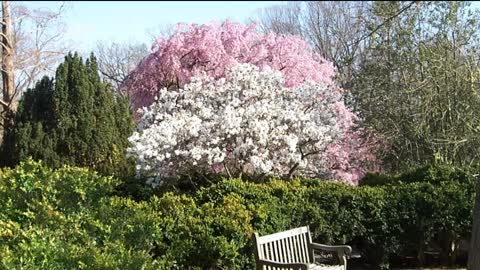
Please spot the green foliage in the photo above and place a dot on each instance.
(205, 236)
(74, 119)
(269, 210)
(417, 85)
(70, 218)
(34, 194)
(378, 179)
(433, 205)
(425, 215)
(434, 174)
(381, 222)
(67, 219)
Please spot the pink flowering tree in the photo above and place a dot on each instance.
(212, 49)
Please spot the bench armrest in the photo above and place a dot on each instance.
(278, 265)
(343, 249)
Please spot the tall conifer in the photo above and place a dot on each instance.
(75, 119)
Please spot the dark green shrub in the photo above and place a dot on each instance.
(411, 209)
(381, 222)
(378, 179)
(434, 174)
(74, 119)
(135, 189)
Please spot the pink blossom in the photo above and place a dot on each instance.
(215, 47)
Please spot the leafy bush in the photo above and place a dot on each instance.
(381, 222)
(205, 236)
(70, 218)
(434, 174)
(66, 219)
(433, 208)
(34, 194)
(378, 179)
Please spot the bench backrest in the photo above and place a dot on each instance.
(287, 247)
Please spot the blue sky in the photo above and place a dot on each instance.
(89, 22)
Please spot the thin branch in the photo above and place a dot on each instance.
(292, 170)
(110, 77)
(4, 104)
(384, 22)
(226, 168)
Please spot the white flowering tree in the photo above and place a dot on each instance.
(244, 123)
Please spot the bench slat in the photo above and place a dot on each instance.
(305, 248)
(275, 251)
(297, 248)
(281, 235)
(284, 255)
(300, 248)
(269, 253)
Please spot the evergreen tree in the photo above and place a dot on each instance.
(75, 119)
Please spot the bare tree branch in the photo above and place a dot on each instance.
(397, 14)
(35, 45)
(330, 27)
(117, 60)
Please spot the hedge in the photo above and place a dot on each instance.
(72, 218)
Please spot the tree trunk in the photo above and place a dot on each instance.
(8, 52)
(474, 252)
(8, 103)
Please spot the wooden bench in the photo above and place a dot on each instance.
(294, 250)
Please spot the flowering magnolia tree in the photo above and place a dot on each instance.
(247, 122)
(213, 49)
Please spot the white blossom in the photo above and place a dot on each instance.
(248, 122)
